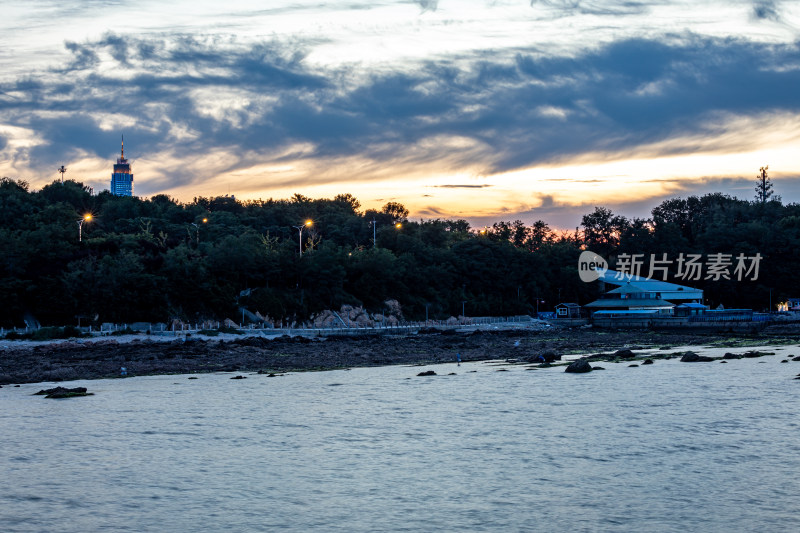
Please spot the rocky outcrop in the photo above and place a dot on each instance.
(624, 354)
(64, 392)
(754, 353)
(427, 373)
(647, 362)
(581, 366)
(691, 357)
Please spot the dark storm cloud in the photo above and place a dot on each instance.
(519, 110)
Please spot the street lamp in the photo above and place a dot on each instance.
(300, 231)
(398, 225)
(86, 218)
(197, 229)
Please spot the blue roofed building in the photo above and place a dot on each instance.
(639, 295)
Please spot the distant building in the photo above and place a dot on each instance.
(122, 177)
(568, 310)
(639, 295)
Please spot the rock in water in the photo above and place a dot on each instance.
(63, 392)
(579, 367)
(427, 373)
(691, 357)
(624, 354)
(648, 362)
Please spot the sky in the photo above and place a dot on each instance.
(485, 110)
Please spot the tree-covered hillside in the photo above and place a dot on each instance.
(157, 259)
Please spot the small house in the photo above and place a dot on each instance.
(568, 310)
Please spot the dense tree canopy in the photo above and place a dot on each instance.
(157, 259)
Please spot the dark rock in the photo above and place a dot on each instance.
(427, 373)
(239, 377)
(785, 361)
(549, 357)
(731, 356)
(624, 354)
(796, 358)
(598, 368)
(647, 362)
(60, 389)
(63, 392)
(192, 377)
(579, 367)
(629, 366)
(724, 362)
(691, 357)
(753, 354)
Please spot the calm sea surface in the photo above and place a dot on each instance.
(668, 447)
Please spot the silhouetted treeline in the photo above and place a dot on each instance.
(157, 259)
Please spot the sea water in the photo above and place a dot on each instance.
(494, 447)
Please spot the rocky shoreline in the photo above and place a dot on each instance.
(106, 357)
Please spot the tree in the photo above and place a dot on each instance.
(602, 230)
(397, 211)
(764, 190)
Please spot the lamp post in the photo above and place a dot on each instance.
(197, 230)
(463, 314)
(86, 218)
(374, 223)
(300, 234)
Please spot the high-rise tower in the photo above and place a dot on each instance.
(122, 177)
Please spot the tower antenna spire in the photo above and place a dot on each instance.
(122, 152)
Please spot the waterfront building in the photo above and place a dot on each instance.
(122, 177)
